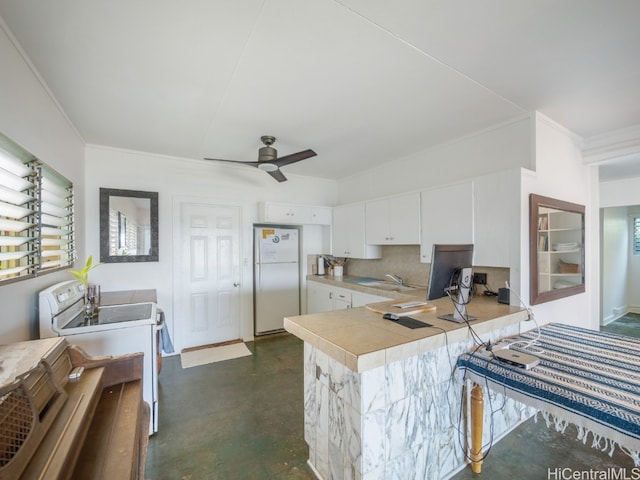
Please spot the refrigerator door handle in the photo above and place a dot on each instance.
(259, 272)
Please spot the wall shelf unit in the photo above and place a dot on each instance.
(557, 249)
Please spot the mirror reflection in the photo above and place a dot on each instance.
(557, 249)
(128, 226)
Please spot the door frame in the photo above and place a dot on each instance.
(245, 280)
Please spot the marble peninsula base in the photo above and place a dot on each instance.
(402, 420)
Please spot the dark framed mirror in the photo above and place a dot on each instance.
(556, 249)
(128, 226)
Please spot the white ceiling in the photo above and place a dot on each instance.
(360, 81)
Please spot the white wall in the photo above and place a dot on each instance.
(502, 147)
(613, 194)
(615, 262)
(176, 179)
(560, 173)
(633, 274)
(31, 118)
(553, 156)
(620, 193)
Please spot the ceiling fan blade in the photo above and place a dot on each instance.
(294, 157)
(278, 175)
(251, 164)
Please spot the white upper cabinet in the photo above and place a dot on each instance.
(270, 212)
(393, 220)
(321, 215)
(446, 215)
(497, 217)
(349, 233)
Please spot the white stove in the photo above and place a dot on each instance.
(115, 330)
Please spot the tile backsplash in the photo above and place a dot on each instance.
(404, 260)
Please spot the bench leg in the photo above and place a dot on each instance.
(477, 410)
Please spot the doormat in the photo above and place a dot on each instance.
(201, 356)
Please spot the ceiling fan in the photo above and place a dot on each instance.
(268, 160)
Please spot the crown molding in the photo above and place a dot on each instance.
(615, 144)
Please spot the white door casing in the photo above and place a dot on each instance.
(207, 275)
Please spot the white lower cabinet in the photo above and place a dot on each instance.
(326, 298)
(359, 299)
(319, 297)
(341, 299)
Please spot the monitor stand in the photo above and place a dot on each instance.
(464, 286)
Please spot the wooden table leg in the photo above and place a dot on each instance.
(477, 411)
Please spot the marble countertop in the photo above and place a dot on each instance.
(361, 339)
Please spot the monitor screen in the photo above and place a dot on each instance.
(445, 261)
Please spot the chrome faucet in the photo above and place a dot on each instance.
(396, 278)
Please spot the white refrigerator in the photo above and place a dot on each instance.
(276, 277)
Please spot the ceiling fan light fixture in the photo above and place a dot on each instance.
(267, 167)
(268, 160)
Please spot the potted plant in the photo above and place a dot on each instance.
(91, 291)
(83, 275)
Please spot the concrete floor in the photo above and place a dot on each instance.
(243, 419)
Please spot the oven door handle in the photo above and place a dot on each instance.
(159, 318)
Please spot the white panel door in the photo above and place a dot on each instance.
(208, 275)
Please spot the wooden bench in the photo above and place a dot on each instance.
(56, 427)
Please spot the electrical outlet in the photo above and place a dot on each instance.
(480, 278)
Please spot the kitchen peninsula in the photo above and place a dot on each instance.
(384, 401)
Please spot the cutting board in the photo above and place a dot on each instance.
(388, 307)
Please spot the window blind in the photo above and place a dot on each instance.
(636, 236)
(36, 215)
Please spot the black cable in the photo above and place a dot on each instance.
(456, 285)
(489, 445)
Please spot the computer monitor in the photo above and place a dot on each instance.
(451, 275)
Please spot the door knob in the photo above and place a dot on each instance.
(236, 284)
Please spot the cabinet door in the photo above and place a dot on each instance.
(349, 234)
(341, 298)
(377, 222)
(359, 299)
(321, 215)
(319, 297)
(393, 221)
(446, 217)
(282, 213)
(404, 219)
(497, 214)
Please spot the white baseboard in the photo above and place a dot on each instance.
(619, 312)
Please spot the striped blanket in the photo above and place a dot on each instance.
(585, 377)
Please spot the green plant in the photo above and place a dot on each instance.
(83, 275)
